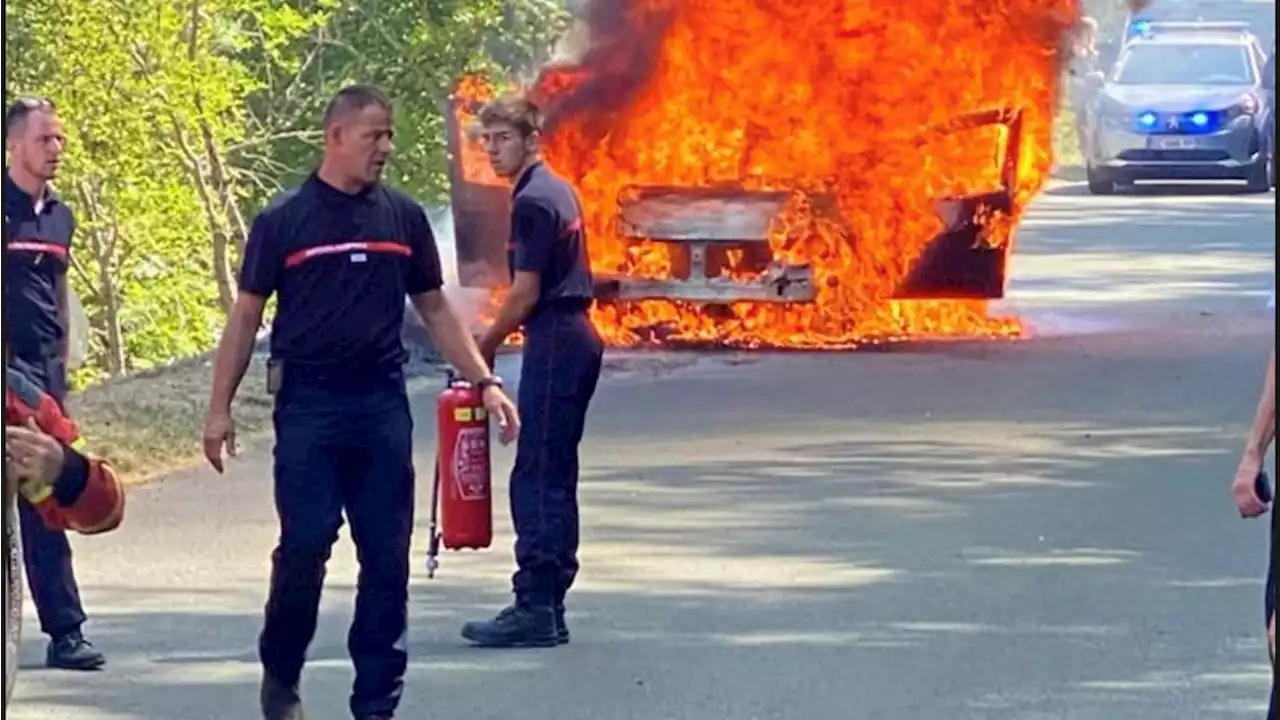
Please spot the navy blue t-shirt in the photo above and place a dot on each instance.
(340, 265)
(548, 237)
(37, 250)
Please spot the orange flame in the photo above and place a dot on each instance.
(818, 98)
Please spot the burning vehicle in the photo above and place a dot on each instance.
(786, 175)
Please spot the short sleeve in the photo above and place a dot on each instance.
(423, 274)
(261, 266)
(534, 227)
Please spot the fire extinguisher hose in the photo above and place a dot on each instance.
(433, 540)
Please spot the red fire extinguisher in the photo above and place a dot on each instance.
(461, 491)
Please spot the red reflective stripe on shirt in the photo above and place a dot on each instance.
(38, 247)
(294, 259)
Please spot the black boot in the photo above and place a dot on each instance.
(279, 701)
(562, 628)
(72, 652)
(519, 625)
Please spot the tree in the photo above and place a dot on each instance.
(185, 116)
(416, 52)
(151, 93)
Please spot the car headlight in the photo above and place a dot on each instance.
(1247, 105)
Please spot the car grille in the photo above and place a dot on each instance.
(1174, 155)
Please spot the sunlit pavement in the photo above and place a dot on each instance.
(1030, 530)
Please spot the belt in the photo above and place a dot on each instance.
(565, 305)
(343, 377)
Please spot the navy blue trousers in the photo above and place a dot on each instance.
(1269, 601)
(560, 368)
(46, 553)
(343, 450)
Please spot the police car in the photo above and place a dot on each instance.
(1256, 16)
(1186, 105)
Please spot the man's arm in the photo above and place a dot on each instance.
(64, 318)
(423, 282)
(536, 232)
(235, 349)
(450, 335)
(259, 277)
(519, 302)
(1263, 432)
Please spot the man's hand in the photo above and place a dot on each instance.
(219, 431)
(1271, 638)
(501, 407)
(1244, 488)
(32, 456)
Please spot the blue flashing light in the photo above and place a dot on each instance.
(1196, 122)
(1141, 27)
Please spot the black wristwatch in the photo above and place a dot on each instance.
(487, 382)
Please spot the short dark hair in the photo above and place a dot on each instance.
(515, 110)
(22, 108)
(354, 98)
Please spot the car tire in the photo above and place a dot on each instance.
(1259, 179)
(12, 596)
(1099, 183)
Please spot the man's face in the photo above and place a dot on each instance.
(508, 150)
(363, 143)
(36, 145)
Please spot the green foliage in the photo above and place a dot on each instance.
(415, 51)
(185, 116)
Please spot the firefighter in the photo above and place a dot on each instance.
(1245, 493)
(341, 251)
(38, 229)
(549, 297)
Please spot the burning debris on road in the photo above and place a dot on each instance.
(818, 174)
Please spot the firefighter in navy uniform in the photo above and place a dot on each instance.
(550, 294)
(341, 252)
(38, 229)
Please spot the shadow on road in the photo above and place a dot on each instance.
(1161, 249)
(1156, 189)
(986, 568)
(1028, 530)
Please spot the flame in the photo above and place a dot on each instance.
(821, 99)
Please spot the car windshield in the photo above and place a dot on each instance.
(1186, 64)
(1260, 15)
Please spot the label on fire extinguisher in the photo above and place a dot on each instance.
(471, 462)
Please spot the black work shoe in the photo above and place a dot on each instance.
(562, 629)
(516, 626)
(73, 652)
(279, 701)
(375, 717)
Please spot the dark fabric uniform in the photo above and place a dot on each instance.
(1269, 601)
(37, 251)
(560, 367)
(341, 265)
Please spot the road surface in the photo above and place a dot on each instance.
(1032, 530)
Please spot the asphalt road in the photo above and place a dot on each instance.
(1030, 530)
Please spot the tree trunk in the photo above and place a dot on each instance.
(104, 238)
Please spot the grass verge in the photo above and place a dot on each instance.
(1066, 149)
(149, 425)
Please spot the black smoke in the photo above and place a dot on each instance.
(623, 42)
